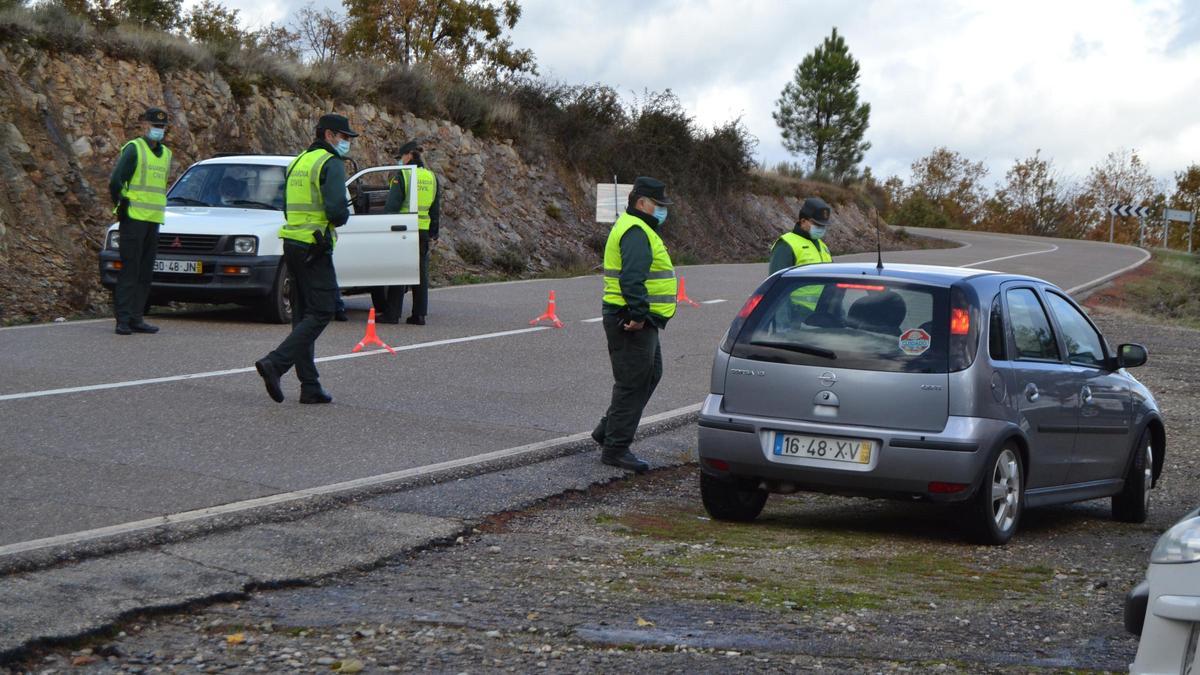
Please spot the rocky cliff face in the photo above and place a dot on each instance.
(64, 117)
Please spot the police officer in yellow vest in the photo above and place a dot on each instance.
(804, 245)
(639, 299)
(138, 187)
(389, 300)
(315, 205)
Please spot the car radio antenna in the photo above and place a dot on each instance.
(878, 249)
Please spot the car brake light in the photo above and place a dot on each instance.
(940, 488)
(960, 321)
(862, 287)
(718, 464)
(748, 308)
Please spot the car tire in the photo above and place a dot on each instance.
(731, 500)
(999, 502)
(277, 308)
(1132, 504)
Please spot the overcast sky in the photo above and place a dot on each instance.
(992, 80)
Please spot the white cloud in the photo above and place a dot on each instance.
(994, 81)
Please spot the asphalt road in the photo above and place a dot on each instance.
(100, 430)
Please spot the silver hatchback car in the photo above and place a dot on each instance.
(994, 391)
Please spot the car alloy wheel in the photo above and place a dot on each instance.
(1006, 490)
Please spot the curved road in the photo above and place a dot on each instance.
(101, 430)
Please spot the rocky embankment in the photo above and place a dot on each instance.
(63, 118)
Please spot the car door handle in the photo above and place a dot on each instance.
(399, 228)
(1086, 394)
(1031, 392)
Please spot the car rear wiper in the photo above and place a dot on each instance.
(792, 347)
(189, 201)
(249, 202)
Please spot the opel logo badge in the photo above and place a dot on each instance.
(827, 379)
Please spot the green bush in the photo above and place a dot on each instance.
(56, 29)
(511, 260)
(471, 252)
(468, 108)
(917, 211)
(409, 89)
(554, 211)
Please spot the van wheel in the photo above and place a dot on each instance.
(1132, 504)
(1000, 499)
(277, 307)
(730, 500)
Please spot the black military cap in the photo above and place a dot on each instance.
(816, 210)
(653, 188)
(411, 146)
(336, 123)
(155, 116)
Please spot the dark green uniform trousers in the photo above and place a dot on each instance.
(139, 247)
(636, 359)
(314, 294)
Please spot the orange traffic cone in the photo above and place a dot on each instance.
(550, 314)
(371, 338)
(682, 296)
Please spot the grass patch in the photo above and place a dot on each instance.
(1171, 290)
(779, 562)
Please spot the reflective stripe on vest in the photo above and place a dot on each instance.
(147, 189)
(807, 252)
(660, 282)
(305, 206)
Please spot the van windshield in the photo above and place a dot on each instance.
(879, 325)
(234, 186)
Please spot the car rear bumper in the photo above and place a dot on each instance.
(903, 466)
(215, 284)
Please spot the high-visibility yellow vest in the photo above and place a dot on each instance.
(661, 285)
(305, 206)
(807, 252)
(426, 192)
(147, 189)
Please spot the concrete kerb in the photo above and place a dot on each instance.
(300, 504)
(176, 569)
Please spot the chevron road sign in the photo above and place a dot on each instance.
(1127, 210)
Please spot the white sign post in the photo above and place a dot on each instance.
(1179, 216)
(611, 199)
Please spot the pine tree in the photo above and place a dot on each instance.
(819, 112)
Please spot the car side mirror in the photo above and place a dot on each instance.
(1131, 355)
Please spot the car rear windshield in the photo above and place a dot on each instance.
(240, 186)
(879, 325)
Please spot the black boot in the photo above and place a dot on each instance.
(270, 378)
(623, 458)
(598, 432)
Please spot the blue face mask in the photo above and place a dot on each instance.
(660, 214)
(342, 147)
(156, 134)
(817, 231)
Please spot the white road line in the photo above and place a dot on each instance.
(52, 324)
(595, 320)
(321, 490)
(236, 371)
(713, 302)
(1110, 275)
(1052, 249)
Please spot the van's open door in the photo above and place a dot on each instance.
(376, 248)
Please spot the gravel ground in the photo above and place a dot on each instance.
(633, 576)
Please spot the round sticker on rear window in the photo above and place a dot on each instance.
(914, 342)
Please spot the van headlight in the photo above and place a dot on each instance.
(113, 241)
(1180, 544)
(245, 245)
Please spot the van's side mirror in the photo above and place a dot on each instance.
(1131, 355)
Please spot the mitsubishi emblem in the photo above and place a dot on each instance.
(827, 379)
(177, 243)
